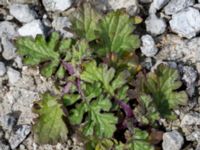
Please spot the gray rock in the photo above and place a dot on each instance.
(186, 23)
(8, 29)
(56, 5)
(19, 136)
(157, 5)
(22, 12)
(198, 146)
(172, 141)
(131, 6)
(194, 136)
(176, 5)
(59, 23)
(175, 48)
(4, 146)
(8, 121)
(18, 62)
(2, 69)
(148, 48)
(155, 25)
(9, 50)
(189, 119)
(145, 1)
(32, 29)
(190, 77)
(13, 75)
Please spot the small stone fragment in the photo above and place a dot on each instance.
(186, 23)
(8, 29)
(9, 50)
(9, 121)
(148, 48)
(19, 136)
(191, 119)
(189, 76)
(172, 141)
(131, 6)
(2, 69)
(155, 25)
(157, 5)
(59, 23)
(176, 5)
(4, 146)
(22, 12)
(32, 29)
(145, 1)
(13, 75)
(56, 5)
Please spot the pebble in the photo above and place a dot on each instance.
(22, 12)
(148, 48)
(32, 29)
(19, 136)
(172, 141)
(189, 119)
(9, 50)
(157, 5)
(131, 6)
(2, 69)
(8, 29)
(175, 6)
(8, 121)
(186, 23)
(56, 5)
(190, 77)
(145, 1)
(59, 23)
(4, 146)
(13, 75)
(155, 25)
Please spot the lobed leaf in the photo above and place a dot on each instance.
(50, 126)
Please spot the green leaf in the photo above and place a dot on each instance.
(140, 141)
(106, 76)
(95, 107)
(50, 127)
(146, 111)
(115, 34)
(40, 51)
(162, 85)
(84, 22)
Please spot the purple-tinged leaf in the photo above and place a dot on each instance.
(127, 109)
(67, 87)
(68, 67)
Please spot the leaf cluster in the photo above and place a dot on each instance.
(98, 66)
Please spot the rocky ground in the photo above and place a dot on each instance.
(169, 33)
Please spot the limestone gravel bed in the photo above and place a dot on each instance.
(169, 34)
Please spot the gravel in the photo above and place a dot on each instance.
(175, 6)
(189, 119)
(13, 75)
(190, 77)
(8, 29)
(157, 5)
(148, 48)
(60, 23)
(17, 137)
(155, 25)
(32, 29)
(2, 68)
(22, 12)
(56, 5)
(172, 141)
(186, 23)
(9, 50)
